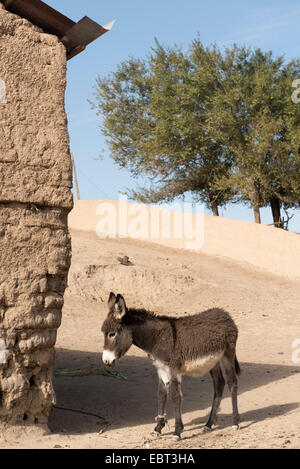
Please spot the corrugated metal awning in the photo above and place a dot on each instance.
(75, 36)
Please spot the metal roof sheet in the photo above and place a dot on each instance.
(75, 36)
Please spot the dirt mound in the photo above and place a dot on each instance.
(141, 285)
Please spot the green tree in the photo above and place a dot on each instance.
(155, 112)
(255, 118)
(219, 125)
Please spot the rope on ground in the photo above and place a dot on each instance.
(83, 412)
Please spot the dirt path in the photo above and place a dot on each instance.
(265, 308)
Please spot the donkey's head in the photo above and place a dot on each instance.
(117, 336)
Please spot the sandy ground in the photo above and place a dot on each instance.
(265, 308)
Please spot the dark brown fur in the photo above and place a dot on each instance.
(173, 342)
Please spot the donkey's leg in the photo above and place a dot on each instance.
(176, 395)
(162, 395)
(229, 366)
(219, 383)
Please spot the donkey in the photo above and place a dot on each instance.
(190, 345)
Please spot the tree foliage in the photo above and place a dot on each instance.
(257, 120)
(218, 124)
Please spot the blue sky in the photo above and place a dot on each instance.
(271, 24)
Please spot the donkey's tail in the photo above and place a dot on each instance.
(237, 366)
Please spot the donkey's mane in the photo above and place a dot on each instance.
(141, 314)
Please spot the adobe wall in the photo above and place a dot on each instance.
(35, 198)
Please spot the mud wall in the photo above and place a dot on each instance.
(35, 198)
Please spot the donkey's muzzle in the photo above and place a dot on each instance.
(108, 357)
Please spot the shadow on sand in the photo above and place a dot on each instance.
(131, 402)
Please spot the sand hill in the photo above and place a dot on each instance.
(265, 306)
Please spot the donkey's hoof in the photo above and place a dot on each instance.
(155, 434)
(206, 429)
(176, 437)
(235, 427)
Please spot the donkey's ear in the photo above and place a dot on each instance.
(121, 308)
(111, 301)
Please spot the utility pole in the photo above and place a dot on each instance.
(75, 177)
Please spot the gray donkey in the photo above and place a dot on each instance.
(189, 345)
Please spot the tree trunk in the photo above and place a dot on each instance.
(255, 197)
(256, 212)
(215, 210)
(275, 206)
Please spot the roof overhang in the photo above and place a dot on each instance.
(75, 36)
